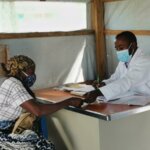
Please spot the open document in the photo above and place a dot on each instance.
(139, 100)
(78, 89)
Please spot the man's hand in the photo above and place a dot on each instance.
(97, 84)
(90, 97)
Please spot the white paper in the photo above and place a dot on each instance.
(78, 93)
(79, 88)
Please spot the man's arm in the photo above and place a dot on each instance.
(137, 73)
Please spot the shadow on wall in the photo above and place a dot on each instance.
(58, 59)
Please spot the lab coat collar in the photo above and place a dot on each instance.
(138, 53)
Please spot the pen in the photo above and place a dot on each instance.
(96, 82)
(98, 79)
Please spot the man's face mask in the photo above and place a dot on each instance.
(123, 55)
(29, 79)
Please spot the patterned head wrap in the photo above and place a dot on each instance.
(18, 63)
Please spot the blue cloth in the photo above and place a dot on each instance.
(44, 128)
(6, 124)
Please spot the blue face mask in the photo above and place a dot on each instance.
(123, 55)
(29, 79)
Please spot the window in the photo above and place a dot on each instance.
(19, 17)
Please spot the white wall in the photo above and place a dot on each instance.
(58, 59)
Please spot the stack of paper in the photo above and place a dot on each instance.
(78, 89)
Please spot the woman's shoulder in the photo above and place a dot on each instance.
(12, 80)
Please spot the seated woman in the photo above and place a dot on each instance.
(15, 95)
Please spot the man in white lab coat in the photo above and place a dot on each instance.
(132, 74)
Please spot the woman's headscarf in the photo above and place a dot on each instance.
(18, 63)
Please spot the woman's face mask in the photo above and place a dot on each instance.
(123, 55)
(29, 80)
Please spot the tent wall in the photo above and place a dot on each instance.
(62, 57)
(118, 16)
(59, 60)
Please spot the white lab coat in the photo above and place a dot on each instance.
(129, 80)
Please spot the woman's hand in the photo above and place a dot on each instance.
(75, 101)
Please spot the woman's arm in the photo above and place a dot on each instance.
(44, 109)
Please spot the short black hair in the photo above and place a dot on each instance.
(127, 36)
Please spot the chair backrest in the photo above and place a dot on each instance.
(3, 56)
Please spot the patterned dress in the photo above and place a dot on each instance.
(27, 140)
(12, 95)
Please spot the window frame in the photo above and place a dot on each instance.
(45, 34)
(87, 31)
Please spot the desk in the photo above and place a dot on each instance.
(102, 126)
